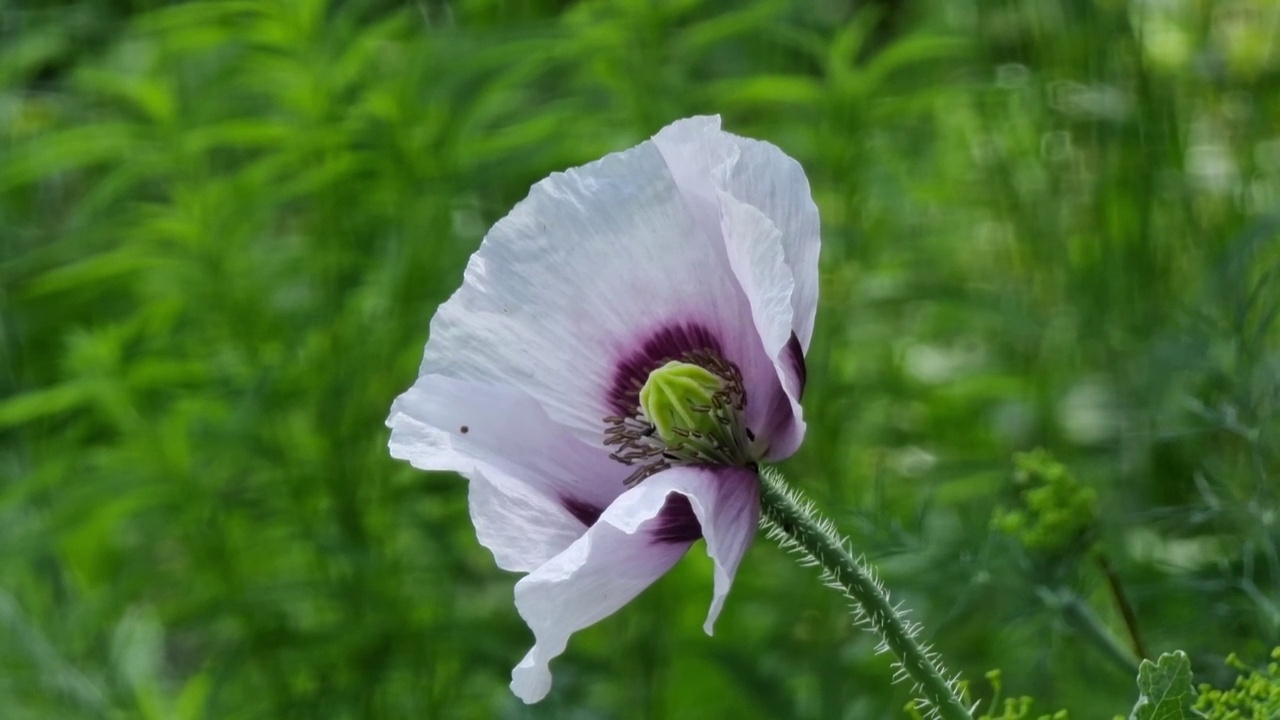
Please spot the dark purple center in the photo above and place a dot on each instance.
(795, 355)
(676, 521)
(585, 512)
(669, 343)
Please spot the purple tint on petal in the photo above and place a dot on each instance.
(795, 356)
(676, 522)
(666, 344)
(585, 512)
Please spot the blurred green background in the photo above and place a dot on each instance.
(225, 225)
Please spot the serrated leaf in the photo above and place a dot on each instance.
(1165, 689)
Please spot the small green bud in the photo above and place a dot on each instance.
(677, 399)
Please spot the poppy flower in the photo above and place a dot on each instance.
(627, 344)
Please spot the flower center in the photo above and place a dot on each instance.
(690, 413)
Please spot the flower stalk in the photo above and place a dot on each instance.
(795, 524)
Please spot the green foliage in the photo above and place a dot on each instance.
(1165, 690)
(226, 224)
(1056, 513)
(1019, 708)
(1166, 693)
(1255, 694)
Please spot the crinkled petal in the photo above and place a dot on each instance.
(534, 486)
(698, 156)
(755, 253)
(520, 527)
(758, 174)
(769, 180)
(580, 277)
(728, 509)
(638, 538)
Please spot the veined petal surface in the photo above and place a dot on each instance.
(638, 538)
(758, 174)
(534, 486)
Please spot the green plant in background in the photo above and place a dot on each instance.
(1255, 694)
(1055, 522)
(225, 225)
(1167, 692)
(1056, 515)
(998, 708)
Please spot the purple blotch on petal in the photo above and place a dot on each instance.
(585, 512)
(795, 356)
(668, 343)
(676, 522)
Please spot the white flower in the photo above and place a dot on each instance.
(694, 254)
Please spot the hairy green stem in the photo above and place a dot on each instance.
(795, 524)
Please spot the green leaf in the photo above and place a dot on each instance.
(1165, 689)
(38, 404)
(767, 91)
(66, 150)
(137, 648)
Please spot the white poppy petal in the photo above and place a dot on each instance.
(698, 156)
(636, 541)
(604, 570)
(534, 487)
(596, 264)
(728, 510)
(755, 253)
(521, 528)
(769, 180)
(758, 174)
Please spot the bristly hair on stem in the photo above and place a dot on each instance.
(795, 524)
